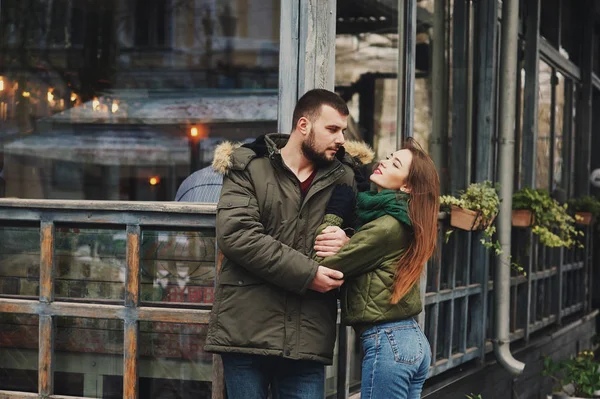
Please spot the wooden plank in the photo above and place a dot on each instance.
(17, 395)
(316, 69)
(446, 295)
(406, 70)
(486, 13)
(46, 261)
(46, 355)
(218, 381)
(121, 206)
(533, 251)
(583, 138)
(218, 378)
(130, 367)
(551, 55)
(132, 275)
(288, 64)
(100, 311)
(343, 362)
(112, 217)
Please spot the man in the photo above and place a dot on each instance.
(274, 313)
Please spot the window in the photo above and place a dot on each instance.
(108, 113)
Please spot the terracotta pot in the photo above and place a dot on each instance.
(522, 218)
(466, 219)
(587, 218)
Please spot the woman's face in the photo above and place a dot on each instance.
(392, 172)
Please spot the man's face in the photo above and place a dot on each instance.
(325, 137)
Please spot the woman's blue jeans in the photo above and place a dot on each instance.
(396, 362)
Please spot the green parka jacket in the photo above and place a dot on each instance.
(266, 232)
(368, 262)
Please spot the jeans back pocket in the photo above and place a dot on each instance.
(407, 344)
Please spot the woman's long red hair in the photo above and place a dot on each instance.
(424, 204)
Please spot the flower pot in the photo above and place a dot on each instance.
(466, 219)
(522, 218)
(586, 216)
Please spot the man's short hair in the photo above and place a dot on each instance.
(310, 104)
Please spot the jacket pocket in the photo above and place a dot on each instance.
(233, 201)
(232, 274)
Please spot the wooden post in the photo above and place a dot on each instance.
(132, 297)
(486, 62)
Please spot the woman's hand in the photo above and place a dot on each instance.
(330, 241)
(341, 203)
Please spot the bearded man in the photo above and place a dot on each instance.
(275, 309)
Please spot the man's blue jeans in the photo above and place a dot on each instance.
(396, 362)
(249, 377)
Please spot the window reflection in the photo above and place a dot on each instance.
(542, 163)
(178, 267)
(97, 98)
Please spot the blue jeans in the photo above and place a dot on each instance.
(396, 362)
(249, 377)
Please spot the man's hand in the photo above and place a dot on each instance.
(330, 241)
(326, 280)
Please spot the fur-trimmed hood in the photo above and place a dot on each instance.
(359, 152)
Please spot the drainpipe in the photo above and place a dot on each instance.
(508, 78)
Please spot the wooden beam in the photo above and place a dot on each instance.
(583, 146)
(407, 35)
(132, 275)
(188, 220)
(46, 261)
(99, 311)
(486, 25)
(316, 63)
(46, 343)
(121, 206)
(130, 367)
(288, 64)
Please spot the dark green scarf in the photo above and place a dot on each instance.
(371, 205)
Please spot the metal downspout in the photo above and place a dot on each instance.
(508, 65)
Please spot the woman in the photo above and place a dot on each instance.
(396, 233)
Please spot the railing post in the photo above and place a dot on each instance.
(132, 298)
(46, 323)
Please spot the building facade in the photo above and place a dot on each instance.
(107, 106)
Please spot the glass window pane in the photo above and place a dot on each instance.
(178, 267)
(172, 362)
(19, 343)
(19, 260)
(542, 162)
(90, 263)
(107, 113)
(90, 350)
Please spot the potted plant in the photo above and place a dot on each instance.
(551, 221)
(577, 377)
(522, 217)
(475, 209)
(586, 209)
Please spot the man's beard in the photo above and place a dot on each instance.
(319, 159)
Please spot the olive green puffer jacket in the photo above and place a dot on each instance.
(266, 231)
(368, 262)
